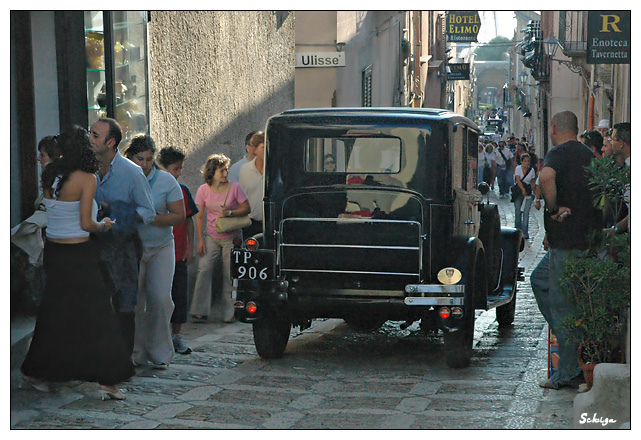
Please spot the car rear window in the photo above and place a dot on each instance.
(353, 155)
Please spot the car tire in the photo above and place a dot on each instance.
(505, 313)
(459, 344)
(490, 236)
(271, 333)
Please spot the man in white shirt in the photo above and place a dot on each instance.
(252, 180)
(503, 158)
(234, 170)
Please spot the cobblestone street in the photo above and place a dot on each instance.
(330, 378)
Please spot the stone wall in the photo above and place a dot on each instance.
(214, 77)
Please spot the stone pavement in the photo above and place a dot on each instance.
(333, 379)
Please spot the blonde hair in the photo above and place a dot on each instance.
(215, 161)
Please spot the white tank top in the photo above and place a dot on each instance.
(63, 218)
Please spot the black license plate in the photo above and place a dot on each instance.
(248, 265)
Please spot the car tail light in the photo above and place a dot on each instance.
(444, 312)
(251, 244)
(239, 305)
(237, 242)
(457, 312)
(251, 307)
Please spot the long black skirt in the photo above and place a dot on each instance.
(77, 334)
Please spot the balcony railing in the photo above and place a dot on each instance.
(573, 30)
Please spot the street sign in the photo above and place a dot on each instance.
(609, 38)
(320, 59)
(462, 26)
(458, 71)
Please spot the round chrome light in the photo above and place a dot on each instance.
(449, 275)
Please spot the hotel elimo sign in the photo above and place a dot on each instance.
(320, 59)
(462, 26)
(609, 38)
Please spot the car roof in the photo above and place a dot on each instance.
(432, 112)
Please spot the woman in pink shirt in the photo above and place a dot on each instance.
(216, 197)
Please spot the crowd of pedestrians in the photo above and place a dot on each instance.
(119, 236)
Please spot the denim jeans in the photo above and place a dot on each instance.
(505, 178)
(522, 218)
(545, 280)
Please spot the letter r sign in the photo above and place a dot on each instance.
(610, 21)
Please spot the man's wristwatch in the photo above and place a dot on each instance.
(552, 211)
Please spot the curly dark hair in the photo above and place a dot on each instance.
(169, 155)
(140, 143)
(75, 154)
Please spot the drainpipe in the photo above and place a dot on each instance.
(591, 101)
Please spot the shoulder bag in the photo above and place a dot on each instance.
(507, 162)
(229, 224)
(516, 189)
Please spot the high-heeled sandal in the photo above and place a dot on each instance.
(36, 384)
(113, 393)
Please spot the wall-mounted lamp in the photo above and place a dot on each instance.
(340, 46)
(550, 46)
(523, 76)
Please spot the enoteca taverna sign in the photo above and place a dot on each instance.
(609, 38)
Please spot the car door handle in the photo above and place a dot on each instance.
(468, 222)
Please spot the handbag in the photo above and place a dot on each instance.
(229, 224)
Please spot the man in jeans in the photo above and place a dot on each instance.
(123, 194)
(503, 158)
(569, 218)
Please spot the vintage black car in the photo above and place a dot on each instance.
(370, 215)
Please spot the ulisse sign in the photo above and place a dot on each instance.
(320, 59)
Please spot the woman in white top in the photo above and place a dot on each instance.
(152, 340)
(525, 177)
(77, 336)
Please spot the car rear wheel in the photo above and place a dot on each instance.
(459, 343)
(271, 333)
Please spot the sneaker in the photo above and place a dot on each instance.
(180, 346)
(158, 366)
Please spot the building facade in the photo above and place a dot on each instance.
(213, 76)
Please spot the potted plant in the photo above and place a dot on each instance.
(405, 48)
(598, 281)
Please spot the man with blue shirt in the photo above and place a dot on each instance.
(123, 193)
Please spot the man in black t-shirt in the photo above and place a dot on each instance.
(569, 219)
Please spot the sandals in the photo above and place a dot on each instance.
(112, 392)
